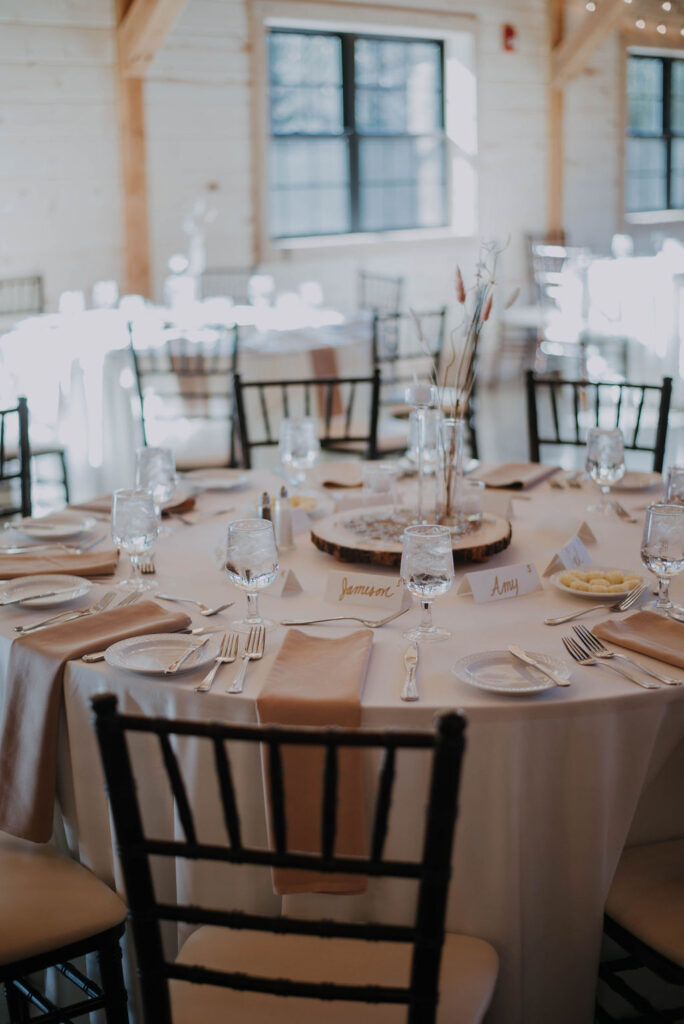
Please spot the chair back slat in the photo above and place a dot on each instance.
(431, 871)
(640, 411)
(178, 789)
(15, 460)
(230, 809)
(382, 808)
(264, 413)
(380, 293)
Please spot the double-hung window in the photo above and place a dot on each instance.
(654, 166)
(357, 140)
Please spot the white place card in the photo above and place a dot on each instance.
(586, 534)
(386, 592)
(286, 582)
(571, 556)
(500, 584)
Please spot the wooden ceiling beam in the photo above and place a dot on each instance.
(142, 30)
(571, 56)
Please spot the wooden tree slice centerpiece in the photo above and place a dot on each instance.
(374, 536)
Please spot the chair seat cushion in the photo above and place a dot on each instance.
(647, 896)
(468, 975)
(48, 900)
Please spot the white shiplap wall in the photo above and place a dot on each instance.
(59, 165)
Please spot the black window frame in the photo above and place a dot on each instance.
(666, 134)
(347, 42)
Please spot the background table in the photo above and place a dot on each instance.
(553, 786)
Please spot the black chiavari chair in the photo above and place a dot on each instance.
(232, 283)
(418, 985)
(15, 460)
(261, 405)
(188, 378)
(21, 296)
(380, 293)
(559, 413)
(398, 352)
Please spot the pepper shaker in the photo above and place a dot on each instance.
(282, 521)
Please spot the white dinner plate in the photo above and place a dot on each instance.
(216, 479)
(150, 655)
(57, 526)
(638, 482)
(600, 595)
(69, 587)
(501, 672)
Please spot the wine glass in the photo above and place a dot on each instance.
(155, 471)
(135, 522)
(298, 446)
(662, 552)
(674, 487)
(605, 463)
(251, 564)
(427, 570)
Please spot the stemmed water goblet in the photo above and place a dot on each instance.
(135, 522)
(662, 552)
(605, 463)
(251, 564)
(674, 486)
(155, 471)
(298, 446)
(427, 570)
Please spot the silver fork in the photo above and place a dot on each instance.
(147, 565)
(582, 657)
(254, 649)
(599, 650)
(618, 606)
(203, 608)
(227, 653)
(371, 623)
(99, 606)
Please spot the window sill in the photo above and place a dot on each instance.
(334, 243)
(655, 217)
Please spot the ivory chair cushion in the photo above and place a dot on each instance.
(467, 978)
(48, 900)
(647, 896)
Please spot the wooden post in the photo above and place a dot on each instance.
(556, 148)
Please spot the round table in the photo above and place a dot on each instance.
(553, 785)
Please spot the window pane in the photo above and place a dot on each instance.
(398, 86)
(677, 97)
(677, 175)
(309, 187)
(645, 179)
(401, 183)
(305, 83)
(645, 95)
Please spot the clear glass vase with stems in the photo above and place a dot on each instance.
(662, 552)
(135, 523)
(251, 564)
(448, 510)
(427, 570)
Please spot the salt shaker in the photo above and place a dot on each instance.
(282, 521)
(264, 510)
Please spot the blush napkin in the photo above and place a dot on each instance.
(648, 633)
(515, 476)
(29, 717)
(316, 681)
(101, 563)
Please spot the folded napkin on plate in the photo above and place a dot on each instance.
(514, 475)
(92, 563)
(649, 633)
(29, 717)
(315, 681)
(104, 504)
(338, 475)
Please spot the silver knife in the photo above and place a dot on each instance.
(197, 631)
(174, 666)
(524, 656)
(410, 691)
(36, 597)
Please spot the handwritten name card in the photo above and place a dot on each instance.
(343, 588)
(285, 583)
(571, 556)
(500, 584)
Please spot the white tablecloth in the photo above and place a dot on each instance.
(553, 786)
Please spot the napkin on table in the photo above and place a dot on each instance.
(92, 563)
(29, 716)
(316, 681)
(104, 504)
(514, 475)
(648, 633)
(341, 474)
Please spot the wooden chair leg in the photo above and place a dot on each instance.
(111, 975)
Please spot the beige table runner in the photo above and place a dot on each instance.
(29, 719)
(316, 681)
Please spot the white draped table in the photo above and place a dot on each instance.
(553, 785)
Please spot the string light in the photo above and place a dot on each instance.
(666, 5)
(640, 23)
(662, 29)
(590, 6)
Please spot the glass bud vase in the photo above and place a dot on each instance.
(450, 474)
